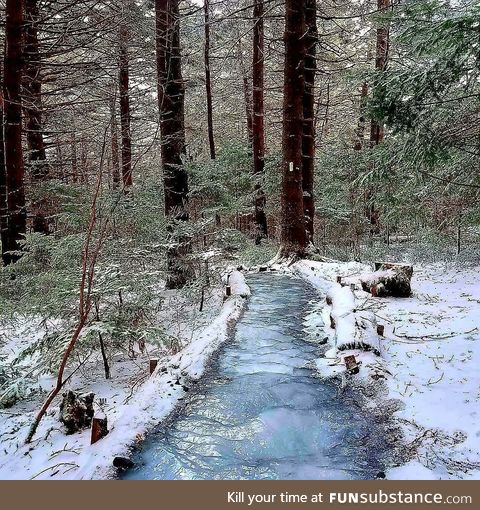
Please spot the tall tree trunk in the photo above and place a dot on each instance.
(293, 234)
(258, 118)
(171, 97)
(308, 162)
(114, 144)
(32, 82)
(360, 132)
(17, 218)
(377, 130)
(208, 81)
(125, 115)
(3, 173)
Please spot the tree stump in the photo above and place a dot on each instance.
(99, 429)
(76, 411)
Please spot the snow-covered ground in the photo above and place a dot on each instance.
(132, 400)
(429, 359)
(428, 366)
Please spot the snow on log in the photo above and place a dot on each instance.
(238, 285)
(76, 411)
(388, 280)
(407, 269)
(352, 331)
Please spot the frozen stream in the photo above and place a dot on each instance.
(258, 413)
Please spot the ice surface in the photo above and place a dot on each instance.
(259, 413)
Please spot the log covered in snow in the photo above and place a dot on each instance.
(76, 411)
(388, 280)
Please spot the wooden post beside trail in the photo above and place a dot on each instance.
(380, 330)
(351, 364)
(99, 429)
(153, 363)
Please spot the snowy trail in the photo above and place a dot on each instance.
(259, 413)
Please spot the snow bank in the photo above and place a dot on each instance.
(167, 387)
(238, 284)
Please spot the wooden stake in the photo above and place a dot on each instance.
(332, 322)
(329, 301)
(380, 329)
(153, 365)
(99, 429)
(351, 364)
(228, 291)
(339, 279)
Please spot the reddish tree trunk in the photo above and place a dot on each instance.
(293, 235)
(114, 145)
(33, 92)
(377, 129)
(258, 118)
(208, 81)
(32, 82)
(309, 117)
(171, 97)
(3, 173)
(125, 116)
(360, 138)
(17, 218)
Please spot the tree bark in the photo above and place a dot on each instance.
(3, 173)
(308, 161)
(114, 145)
(377, 129)
(125, 115)
(32, 84)
(293, 235)
(14, 165)
(258, 118)
(208, 81)
(171, 98)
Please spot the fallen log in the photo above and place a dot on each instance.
(385, 266)
(388, 280)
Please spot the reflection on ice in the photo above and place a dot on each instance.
(260, 414)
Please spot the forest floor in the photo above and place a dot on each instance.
(430, 354)
(429, 362)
